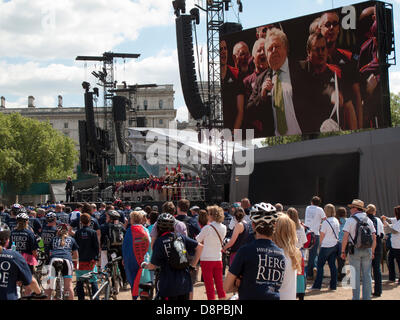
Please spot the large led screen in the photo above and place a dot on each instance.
(317, 73)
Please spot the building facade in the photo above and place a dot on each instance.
(151, 107)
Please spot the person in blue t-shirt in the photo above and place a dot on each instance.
(13, 269)
(25, 240)
(34, 223)
(63, 250)
(258, 268)
(49, 232)
(86, 239)
(4, 216)
(62, 217)
(12, 220)
(174, 284)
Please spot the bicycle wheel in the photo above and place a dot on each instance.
(116, 282)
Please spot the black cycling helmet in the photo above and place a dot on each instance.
(4, 232)
(113, 214)
(263, 212)
(51, 216)
(165, 221)
(22, 216)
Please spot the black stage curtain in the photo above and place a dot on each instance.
(335, 178)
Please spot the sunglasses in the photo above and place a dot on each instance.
(331, 24)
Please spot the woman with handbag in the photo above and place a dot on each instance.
(329, 240)
(211, 237)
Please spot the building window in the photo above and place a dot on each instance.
(65, 125)
(145, 104)
(66, 134)
(160, 104)
(160, 121)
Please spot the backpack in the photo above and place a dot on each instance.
(363, 238)
(178, 257)
(192, 227)
(311, 238)
(116, 235)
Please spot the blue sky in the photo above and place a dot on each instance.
(40, 40)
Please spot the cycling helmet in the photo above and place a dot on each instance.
(263, 212)
(114, 215)
(51, 216)
(4, 231)
(165, 221)
(16, 208)
(22, 216)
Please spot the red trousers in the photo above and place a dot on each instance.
(212, 272)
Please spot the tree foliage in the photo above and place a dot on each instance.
(395, 109)
(32, 151)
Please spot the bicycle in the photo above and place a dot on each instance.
(115, 273)
(40, 270)
(106, 289)
(58, 293)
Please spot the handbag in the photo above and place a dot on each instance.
(219, 237)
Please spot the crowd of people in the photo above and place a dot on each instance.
(164, 188)
(255, 251)
(278, 91)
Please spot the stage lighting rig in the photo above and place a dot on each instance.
(179, 7)
(240, 4)
(195, 13)
(226, 2)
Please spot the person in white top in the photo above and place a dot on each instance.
(393, 224)
(313, 218)
(361, 258)
(211, 236)
(285, 238)
(301, 240)
(329, 238)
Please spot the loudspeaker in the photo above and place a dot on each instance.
(119, 108)
(82, 145)
(384, 15)
(230, 27)
(90, 124)
(141, 122)
(190, 89)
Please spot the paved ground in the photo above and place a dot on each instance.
(391, 291)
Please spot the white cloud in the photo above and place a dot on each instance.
(394, 81)
(45, 29)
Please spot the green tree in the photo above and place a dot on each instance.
(395, 109)
(32, 151)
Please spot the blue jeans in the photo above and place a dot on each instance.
(326, 254)
(361, 262)
(312, 254)
(393, 256)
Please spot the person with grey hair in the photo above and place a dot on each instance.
(276, 89)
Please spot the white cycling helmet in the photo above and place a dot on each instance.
(263, 212)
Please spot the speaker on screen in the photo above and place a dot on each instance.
(190, 89)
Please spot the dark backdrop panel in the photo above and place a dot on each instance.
(335, 178)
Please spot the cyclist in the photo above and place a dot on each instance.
(15, 210)
(112, 237)
(4, 216)
(94, 224)
(25, 241)
(63, 250)
(174, 284)
(49, 232)
(41, 215)
(34, 223)
(259, 266)
(13, 269)
(62, 217)
(135, 246)
(86, 239)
